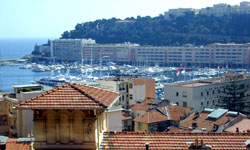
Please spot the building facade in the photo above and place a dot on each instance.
(72, 116)
(132, 90)
(68, 50)
(212, 55)
(202, 93)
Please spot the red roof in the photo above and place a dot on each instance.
(71, 96)
(13, 144)
(151, 116)
(243, 126)
(170, 141)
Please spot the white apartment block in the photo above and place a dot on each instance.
(132, 90)
(212, 55)
(68, 50)
(217, 10)
(200, 94)
(119, 53)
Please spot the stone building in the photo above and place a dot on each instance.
(72, 116)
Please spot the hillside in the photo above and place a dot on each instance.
(188, 29)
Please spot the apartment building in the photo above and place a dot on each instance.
(217, 10)
(202, 93)
(19, 122)
(132, 90)
(216, 54)
(69, 50)
(119, 53)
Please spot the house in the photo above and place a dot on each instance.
(161, 118)
(211, 120)
(170, 141)
(71, 116)
(140, 108)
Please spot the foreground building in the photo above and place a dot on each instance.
(170, 141)
(18, 123)
(72, 116)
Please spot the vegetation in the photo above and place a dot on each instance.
(187, 29)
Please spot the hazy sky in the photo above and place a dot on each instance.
(50, 18)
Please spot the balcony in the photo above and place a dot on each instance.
(12, 115)
(13, 130)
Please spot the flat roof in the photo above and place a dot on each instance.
(27, 85)
(196, 84)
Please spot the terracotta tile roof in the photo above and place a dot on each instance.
(151, 116)
(170, 141)
(243, 125)
(173, 129)
(13, 144)
(202, 121)
(143, 105)
(71, 96)
(176, 112)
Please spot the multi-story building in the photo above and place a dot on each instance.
(119, 53)
(131, 90)
(210, 55)
(20, 122)
(217, 10)
(69, 50)
(202, 93)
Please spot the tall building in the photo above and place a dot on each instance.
(119, 53)
(68, 50)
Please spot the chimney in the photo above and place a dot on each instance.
(199, 146)
(237, 130)
(147, 146)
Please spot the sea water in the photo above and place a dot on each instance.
(13, 48)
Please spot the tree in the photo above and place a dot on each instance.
(234, 97)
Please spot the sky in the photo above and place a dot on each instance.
(50, 18)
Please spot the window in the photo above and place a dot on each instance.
(184, 104)
(201, 103)
(207, 102)
(184, 94)
(177, 103)
(207, 92)
(201, 94)
(139, 126)
(213, 91)
(177, 94)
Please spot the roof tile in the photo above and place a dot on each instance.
(70, 96)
